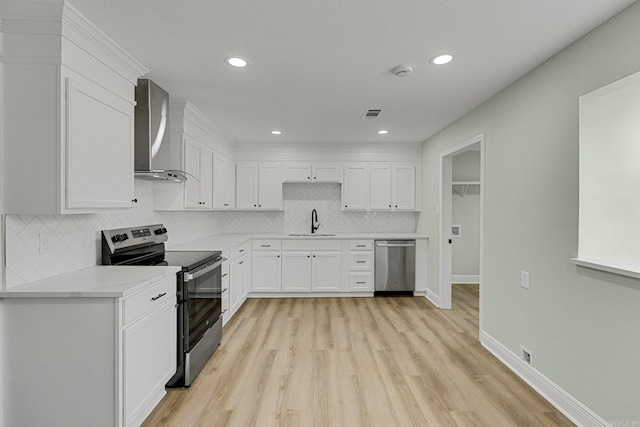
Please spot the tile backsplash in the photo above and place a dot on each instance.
(75, 239)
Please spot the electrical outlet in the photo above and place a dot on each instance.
(526, 355)
(524, 279)
(46, 243)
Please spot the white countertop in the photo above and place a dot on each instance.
(221, 242)
(93, 282)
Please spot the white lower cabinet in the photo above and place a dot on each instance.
(89, 361)
(325, 271)
(361, 266)
(296, 271)
(266, 268)
(226, 303)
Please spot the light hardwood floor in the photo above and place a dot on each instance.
(395, 361)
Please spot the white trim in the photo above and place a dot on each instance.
(465, 279)
(433, 297)
(446, 182)
(620, 267)
(308, 294)
(571, 407)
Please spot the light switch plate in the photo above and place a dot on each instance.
(46, 243)
(524, 279)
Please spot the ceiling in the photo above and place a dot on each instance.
(315, 66)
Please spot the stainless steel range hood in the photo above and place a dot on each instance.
(155, 158)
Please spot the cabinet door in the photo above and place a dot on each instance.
(149, 360)
(381, 188)
(326, 172)
(265, 271)
(246, 186)
(98, 144)
(297, 172)
(246, 278)
(206, 178)
(355, 187)
(325, 271)
(296, 271)
(404, 186)
(191, 166)
(229, 185)
(269, 187)
(235, 285)
(219, 183)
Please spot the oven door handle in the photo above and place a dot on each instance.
(189, 276)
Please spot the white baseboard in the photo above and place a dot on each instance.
(563, 401)
(433, 297)
(462, 279)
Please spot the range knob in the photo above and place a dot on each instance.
(115, 238)
(123, 237)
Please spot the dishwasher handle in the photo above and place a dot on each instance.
(396, 244)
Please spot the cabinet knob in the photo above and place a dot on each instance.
(345, 206)
(389, 205)
(134, 200)
(259, 206)
(315, 177)
(278, 256)
(396, 206)
(255, 206)
(309, 178)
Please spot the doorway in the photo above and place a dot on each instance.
(449, 230)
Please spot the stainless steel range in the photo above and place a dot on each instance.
(198, 288)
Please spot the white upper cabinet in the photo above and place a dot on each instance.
(312, 172)
(209, 174)
(258, 186)
(394, 187)
(69, 122)
(355, 187)
(224, 183)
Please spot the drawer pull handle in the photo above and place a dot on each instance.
(265, 246)
(224, 290)
(158, 297)
(361, 246)
(361, 262)
(241, 262)
(224, 311)
(241, 250)
(361, 283)
(225, 274)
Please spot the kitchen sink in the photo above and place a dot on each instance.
(310, 235)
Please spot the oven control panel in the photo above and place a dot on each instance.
(123, 238)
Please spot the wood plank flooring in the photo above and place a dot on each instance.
(395, 361)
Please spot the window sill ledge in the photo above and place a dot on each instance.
(623, 268)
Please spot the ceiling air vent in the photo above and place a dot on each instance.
(371, 114)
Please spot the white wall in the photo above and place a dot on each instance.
(582, 325)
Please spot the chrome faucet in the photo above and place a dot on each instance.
(314, 221)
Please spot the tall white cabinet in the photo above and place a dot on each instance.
(69, 113)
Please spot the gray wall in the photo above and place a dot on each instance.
(465, 252)
(583, 326)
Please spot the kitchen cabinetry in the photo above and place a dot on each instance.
(266, 266)
(99, 361)
(197, 191)
(239, 277)
(224, 183)
(312, 172)
(361, 265)
(355, 187)
(393, 187)
(226, 303)
(258, 186)
(69, 121)
(311, 266)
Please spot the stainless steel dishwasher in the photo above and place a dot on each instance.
(395, 267)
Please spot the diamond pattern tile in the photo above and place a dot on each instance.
(75, 239)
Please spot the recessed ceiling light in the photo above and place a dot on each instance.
(276, 132)
(236, 61)
(383, 132)
(441, 59)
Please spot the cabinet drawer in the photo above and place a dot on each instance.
(362, 282)
(239, 250)
(361, 261)
(266, 245)
(148, 299)
(360, 245)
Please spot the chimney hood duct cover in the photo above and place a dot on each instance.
(154, 156)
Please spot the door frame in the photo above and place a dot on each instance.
(446, 211)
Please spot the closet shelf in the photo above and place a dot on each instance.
(462, 187)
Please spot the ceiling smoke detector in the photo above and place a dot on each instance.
(402, 70)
